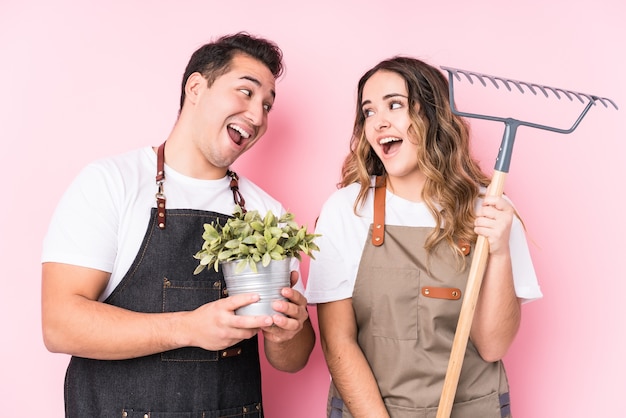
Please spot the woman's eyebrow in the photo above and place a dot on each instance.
(391, 95)
(385, 97)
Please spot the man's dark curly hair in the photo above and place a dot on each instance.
(213, 59)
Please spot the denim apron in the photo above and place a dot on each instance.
(188, 382)
(407, 305)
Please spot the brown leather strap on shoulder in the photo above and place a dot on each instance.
(378, 227)
(234, 187)
(160, 195)
(161, 163)
(160, 177)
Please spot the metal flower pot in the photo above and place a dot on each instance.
(267, 282)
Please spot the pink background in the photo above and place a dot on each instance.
(80, 80)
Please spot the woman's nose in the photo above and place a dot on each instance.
(381, 123)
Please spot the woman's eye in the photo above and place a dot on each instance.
(368, 112)
(395, 105)
(246, 92)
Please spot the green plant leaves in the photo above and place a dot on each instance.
(233, 243)
(252, 239)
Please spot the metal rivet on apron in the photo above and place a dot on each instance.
(161, 225)
(377, 238)
(427, 291)
(166, 282)
(124, 414)
(161, 205)
(464, 247)
(146, 416)
(225, 292)
(258, 407)
(245, 409)
(216, 285)
(455, 293)
(378, 226)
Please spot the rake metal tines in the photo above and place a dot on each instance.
(504, 156)
(522, 86)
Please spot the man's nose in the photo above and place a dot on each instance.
(256, 113)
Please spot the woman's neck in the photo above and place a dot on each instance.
(407, 187)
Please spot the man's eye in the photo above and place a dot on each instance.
(267, 107)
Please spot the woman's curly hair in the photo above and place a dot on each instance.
(453, 178)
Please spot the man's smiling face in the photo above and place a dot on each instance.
(231, 115)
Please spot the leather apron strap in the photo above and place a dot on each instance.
(160, 195)
(378, 228)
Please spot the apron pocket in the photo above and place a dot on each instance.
(391, 305)
(188, 295)
(484, 407)
(247, 411)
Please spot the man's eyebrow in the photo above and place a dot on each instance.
(257, 82)
(385, 97)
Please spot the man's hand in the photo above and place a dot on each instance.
(214, 326)
(289, 341)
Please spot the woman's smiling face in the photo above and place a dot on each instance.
(385, 106)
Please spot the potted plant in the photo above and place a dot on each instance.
(254, 253)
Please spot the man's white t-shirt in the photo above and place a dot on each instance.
(101, 220)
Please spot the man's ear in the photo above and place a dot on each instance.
(193, 86)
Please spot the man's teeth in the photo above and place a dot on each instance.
(243, 133)
(388, 140)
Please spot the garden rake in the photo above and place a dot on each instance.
(496, 188)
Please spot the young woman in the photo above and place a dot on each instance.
(396, 242)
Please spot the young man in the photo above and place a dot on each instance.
(148, 336)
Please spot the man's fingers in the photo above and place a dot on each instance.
(237, 301)
(293, 278)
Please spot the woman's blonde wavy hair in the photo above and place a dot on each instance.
(453, 178)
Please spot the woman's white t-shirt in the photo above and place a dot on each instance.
(343, 234)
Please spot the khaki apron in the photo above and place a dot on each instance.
(407, 305)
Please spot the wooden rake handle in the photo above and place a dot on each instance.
(468, 306)
(496, 188)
